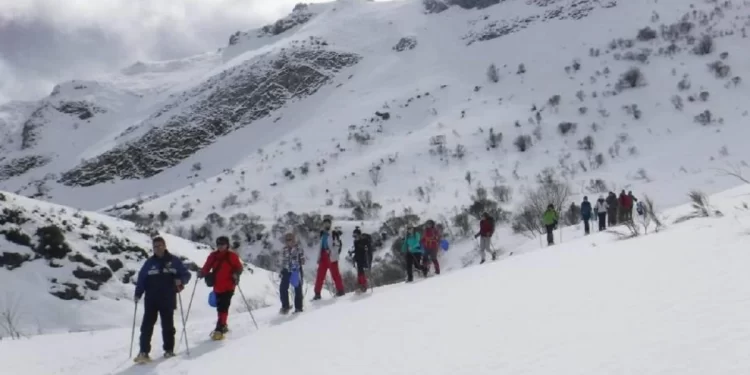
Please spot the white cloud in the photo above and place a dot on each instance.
(43, 42)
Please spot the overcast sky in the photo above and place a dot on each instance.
(44, 42)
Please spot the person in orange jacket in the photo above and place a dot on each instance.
(222, 271)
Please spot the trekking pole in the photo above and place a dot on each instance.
(249, 310)
(184, 332)
(132, 332)
(187, 316)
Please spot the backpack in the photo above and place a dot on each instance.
(639, 208)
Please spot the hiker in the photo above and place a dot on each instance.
(612, 209)
(586, 215)
(431, 246)
(362, 255)
(293, 258)
(222, 272)
(486, 230)
(413, 251)
(601, 211)
(161, 278)
(633, 203)
(549, 219)
(626, 207)
(328, 258)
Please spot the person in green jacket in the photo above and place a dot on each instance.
(412, 249)
(549, 219)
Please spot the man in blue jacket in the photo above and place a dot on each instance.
(586, 214)
(161, 278)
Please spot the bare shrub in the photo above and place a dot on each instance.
(677, 102)
(494, 139)
(502, 193)
(705, 46)
(493, 74)
(554, 101)
(704, 118)
(376, 174)
(633, 78)
(719, 69)
(365, 208)
(566, 127)
(550, 190)
(586, 144)
(701, 207)
(645, 34)
(523, 142)
(10, 316)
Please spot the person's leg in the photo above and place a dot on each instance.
(586, 228)
(484, 246)
(223, 301)
(322, 270)
(550, 235)
(284, 289)
(409, 267)
(166, 315)
(361, 276)
(150, 314)
(435, 262)
(337, 280)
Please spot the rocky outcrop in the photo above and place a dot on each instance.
(30, 130)
(18, 166)
(405, 43)
(82, 109)
(226, 102)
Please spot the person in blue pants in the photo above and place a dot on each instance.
(293, 259)
(160, 279)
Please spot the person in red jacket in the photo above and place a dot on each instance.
(328, 258)
(626, 207)
(430, 243)
(486, 230)
(225, 267)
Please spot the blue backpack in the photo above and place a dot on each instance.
(212, 299)
(639, 208)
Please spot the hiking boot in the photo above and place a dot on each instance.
(482, 261)
(340, 294)
(169, 354)
(317, 297)
(142, 358)
(285, 310)
(224, 328)
(298, 310)
(494, 256)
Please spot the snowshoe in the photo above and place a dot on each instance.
(317, 297)
(340, 294)
(285, 310)
(217, 335)
(169, 354)
(142, 358)
(224, 329)
(297, 311)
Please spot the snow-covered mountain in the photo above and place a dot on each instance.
(381, 113)
(63, 269)
(672, 302)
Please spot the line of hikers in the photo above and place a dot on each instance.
(164, 275)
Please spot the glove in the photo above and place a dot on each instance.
(178, 285)
(477, 235)
(137, 298)
(236, 278)
(200, 275)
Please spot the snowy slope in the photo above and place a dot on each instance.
(668, 302)
(407, 88)
(63, 269)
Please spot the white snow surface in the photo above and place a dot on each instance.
(669, 302)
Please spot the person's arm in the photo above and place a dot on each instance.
(182, 272)
(235, 262)
(140, 285)
(208, 265)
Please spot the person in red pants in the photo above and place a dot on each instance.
(330, 250)
(431, 244)
(224, 267)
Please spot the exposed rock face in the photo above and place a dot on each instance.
(405, 43)
(82, 109)
(300, 15)
(437, 6)
(226, 102)
(18, 166)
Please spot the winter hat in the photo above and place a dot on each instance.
(585, 198)
(158, 239)
(356, 232)
(222, 240)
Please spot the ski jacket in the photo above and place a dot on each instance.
(586, 210)
(430, 239)
(412, 243)
(157, 279)
(225, 264)
(625, 201)
(292, 256)
(330, 242)
(486, 228)
(601, 207)
(549, 217)
(363, 250)
(611, 202)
